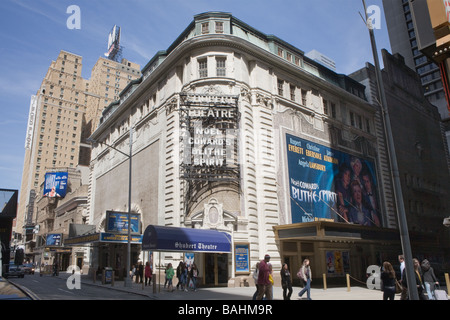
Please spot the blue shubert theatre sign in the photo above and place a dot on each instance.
(159, 238)
(326, 184)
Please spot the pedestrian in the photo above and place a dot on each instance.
(166, 280)
(388, 281)
(184, 277)
(305, 275)
(429, 279)
(141, 272)
(271, 279)
(194, 275)
(286, 282)
(132, 272)
(255, 277)
(264, 286)
(403, 295)
(55, 268)
(418, 280)
(169, 276)
(148, 273)
(179, 274)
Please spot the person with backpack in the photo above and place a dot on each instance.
(429, 279)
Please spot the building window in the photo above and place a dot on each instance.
(368, 126)
(280, 52)
(352, 119)
(219, 27)
(292, 88)
(203, 68)
(280, 87)
(304, 97)
(221, 67)
(289, 57)
(205, 28)
(333, 110)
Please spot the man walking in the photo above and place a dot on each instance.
(264, 284)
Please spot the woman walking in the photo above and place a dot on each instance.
(286, 282)
(388, 281)
(305, 275)
(169, 276)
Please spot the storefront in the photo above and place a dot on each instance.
(208, 249)
(337, 249)
(108, 250)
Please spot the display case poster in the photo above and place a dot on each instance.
(242, 256)
(326, 184)
(337, 262)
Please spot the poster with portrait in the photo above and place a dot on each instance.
(337, 262)
(55, 184)
(327, 184)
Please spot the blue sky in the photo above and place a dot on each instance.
(35, 31)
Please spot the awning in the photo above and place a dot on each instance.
(160, 238)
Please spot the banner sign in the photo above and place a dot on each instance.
(326, 184)
(53, 239)
(119, 238)
(31, 121)
(55, 185)
(117, 222)
(209, 127)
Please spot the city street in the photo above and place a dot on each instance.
(55, 288)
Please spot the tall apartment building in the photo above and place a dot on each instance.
(403, 36)
(60, 104)
(108, 79)
(63, 105)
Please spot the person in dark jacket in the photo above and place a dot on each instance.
(418, 277)
(388, 281)
(286, 282)
(429, 279)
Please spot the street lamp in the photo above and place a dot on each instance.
(127, 281)
(403, 228)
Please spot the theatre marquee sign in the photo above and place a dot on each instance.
(209, 132)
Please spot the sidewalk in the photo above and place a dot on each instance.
(238, 293)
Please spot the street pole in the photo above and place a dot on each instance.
(128, 280)
(403, 227)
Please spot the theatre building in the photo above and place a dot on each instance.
(238, 132)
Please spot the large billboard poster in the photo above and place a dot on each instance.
(326, 184)
(117, 222)
(55, 185)
(53, 239)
